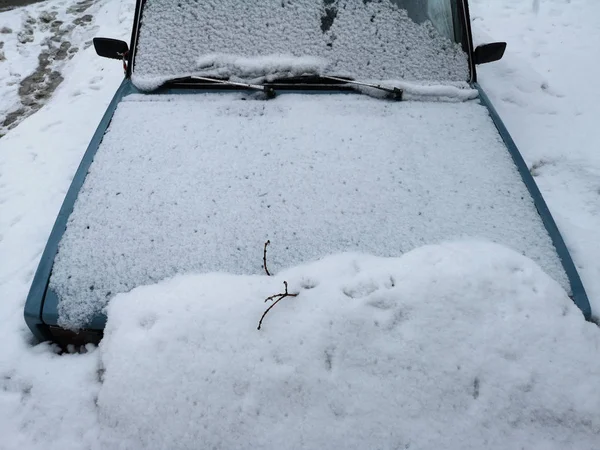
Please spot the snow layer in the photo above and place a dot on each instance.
(228, 66)
(458, 346)
(368, 40)
(459, 91)
(316, 174)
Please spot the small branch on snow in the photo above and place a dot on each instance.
(279, 297)
(265, 258)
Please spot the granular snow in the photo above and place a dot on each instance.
(262, 67)
(462, 346)
(367, 40)
(198, 183)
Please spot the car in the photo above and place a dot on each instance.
(320, 126)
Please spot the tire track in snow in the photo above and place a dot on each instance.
(55, 50)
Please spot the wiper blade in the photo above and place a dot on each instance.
(394, 92)
(268, 90)
(312, 81)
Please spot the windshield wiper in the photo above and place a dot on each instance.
(268, 90)
(306, 81)
(394, 92)
(314, 81)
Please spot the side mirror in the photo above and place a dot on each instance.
(110, 48)
(489, 52)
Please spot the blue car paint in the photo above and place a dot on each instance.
(578, 294)
(38, 293)
(41, 308)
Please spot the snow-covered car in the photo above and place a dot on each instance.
(321, 126)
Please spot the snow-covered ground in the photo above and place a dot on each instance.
(479, 347)
(43, 397)
(546, 90)
(36, 44)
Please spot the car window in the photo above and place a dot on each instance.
(440, 12)
(379, 40)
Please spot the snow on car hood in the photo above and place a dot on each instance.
(389, 39)
(457, 346)
(198, 183)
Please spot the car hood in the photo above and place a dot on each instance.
(199, 183)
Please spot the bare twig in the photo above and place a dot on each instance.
(265, 258)
(279, 297)
(272, 297)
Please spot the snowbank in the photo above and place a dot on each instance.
(457, 346)
(316, 174)
(367, 40)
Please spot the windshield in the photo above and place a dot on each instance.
(414, 40)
